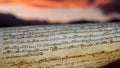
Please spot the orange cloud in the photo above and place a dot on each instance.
(55, 3)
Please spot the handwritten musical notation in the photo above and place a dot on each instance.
(32, 41)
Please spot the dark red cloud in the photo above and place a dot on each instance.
(113, 7)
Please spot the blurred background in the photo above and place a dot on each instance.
(44, 12)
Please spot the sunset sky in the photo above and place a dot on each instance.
(62, 10)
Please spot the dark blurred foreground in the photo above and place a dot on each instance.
(115, 64)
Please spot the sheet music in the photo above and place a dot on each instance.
(59, 46)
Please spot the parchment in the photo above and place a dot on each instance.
(59, 46)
